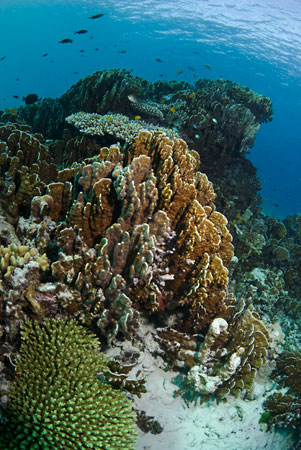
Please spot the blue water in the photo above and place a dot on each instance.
(257, 44)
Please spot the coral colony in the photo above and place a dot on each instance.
(108, 219)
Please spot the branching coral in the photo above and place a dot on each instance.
(57, 400)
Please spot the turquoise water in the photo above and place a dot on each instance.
(257, 44)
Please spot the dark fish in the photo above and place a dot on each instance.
(81, 31)
(96, 49)
(191, 68)
(45, 54)
(30, 99)
(66, 41)
(17, 79)
(16, 96)
(276, 204)
(75, 73)
(81, 51)
(96, 16)
(3, 57)
(207, 66)
(122, 51)
(196, 53)
(159, 60)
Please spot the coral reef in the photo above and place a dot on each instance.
(219, 119)
(283, 409)
(133, 231)
(57, 400)
(263, 273)
(25, 168)
(117, 125)
(109, 233)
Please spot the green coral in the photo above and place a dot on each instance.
(57, 402)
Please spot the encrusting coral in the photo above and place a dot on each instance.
(57, 401)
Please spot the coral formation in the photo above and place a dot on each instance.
(25, 168)
(133, 231)
(283, 409)
(120, 231)
(218, 118)
(117, 125)
(57, 400)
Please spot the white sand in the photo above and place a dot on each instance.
(227, 426)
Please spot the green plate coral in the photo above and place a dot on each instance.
(57, 401)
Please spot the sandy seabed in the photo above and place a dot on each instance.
(232, 425)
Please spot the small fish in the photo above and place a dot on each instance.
(96, 49)
(96, 16)
(12, 111)
(75, 73)
(30, 99)
(81, 51)
(15, 96)
(197, 136)
(81, 31)
(17, 79)
(179, 72)
(2, 59)
(195, 126)
(214, 120)
(196, 53)
(122, 51)
(267, 198)
(277, 205)
(132, 98)
(207, 66)
(172, 109)
(191, 68)
(159, 60)
(194, 75)
(137, 117)
(66, 41)
(110, 118)
(191, 95)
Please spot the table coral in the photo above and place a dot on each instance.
(117, 125)
(57, 401)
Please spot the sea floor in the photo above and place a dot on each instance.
(228, 426)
